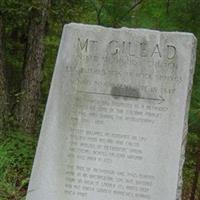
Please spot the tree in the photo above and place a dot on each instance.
(32, 73)
(113, 12)
(98, 7)
(167, 6)
(3, 87)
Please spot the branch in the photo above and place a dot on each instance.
(98, 10)
(132, 8)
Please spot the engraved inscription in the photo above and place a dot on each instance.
(131, 48)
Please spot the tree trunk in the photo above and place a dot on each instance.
(31, 84)
(167, 7)
(3, 87)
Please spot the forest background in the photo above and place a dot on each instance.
(30, 32)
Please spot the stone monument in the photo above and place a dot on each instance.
(116, 119)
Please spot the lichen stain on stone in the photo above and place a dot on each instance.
(124, 91)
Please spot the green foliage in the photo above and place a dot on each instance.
(112, 13)
(16, 155)
(188, 17)
(153, 14)
(17, 149)
(192, 153)
(194, 119)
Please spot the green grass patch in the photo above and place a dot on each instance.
(17, 151)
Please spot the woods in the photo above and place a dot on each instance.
(29, 38)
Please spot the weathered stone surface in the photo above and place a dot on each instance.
(116, 119)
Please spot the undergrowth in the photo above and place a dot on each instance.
(17, 150)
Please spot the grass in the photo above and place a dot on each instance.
(17, 151)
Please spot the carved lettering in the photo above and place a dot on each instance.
(143, 49)
(114, 47)
(123, 47)
(171, 51)
(156, 51)
(83, 45)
